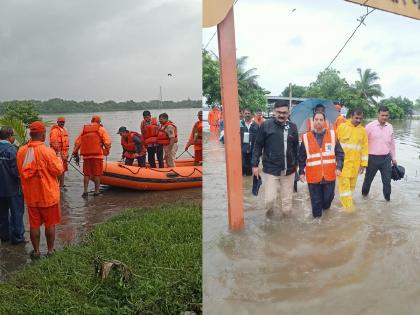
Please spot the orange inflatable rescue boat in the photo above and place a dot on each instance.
(183, 175)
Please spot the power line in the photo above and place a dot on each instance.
(361, 21)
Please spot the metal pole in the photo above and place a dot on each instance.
(230, 102)
(290, 96)
(160, 95)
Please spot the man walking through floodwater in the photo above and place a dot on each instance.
(248, 129)
(320, 161)
(381, 152)
(277, 141)
(39, 167)
(353, 139)
(94, 143)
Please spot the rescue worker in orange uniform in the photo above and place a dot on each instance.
(321, 159)
(133, 148)
(340, 118)
(196, 139)
(259, 119)
(310, 124)
(94, 143)
(168, 138)
(39, 167)
(213, 118)
(149, 129)
(59, 141)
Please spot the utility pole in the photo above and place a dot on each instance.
(160, 96)
(290, 96)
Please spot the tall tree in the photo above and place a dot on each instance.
(297, 91)
(211, 78)
(330, 85)
(366, 86)
(250, 94)
(398, 107)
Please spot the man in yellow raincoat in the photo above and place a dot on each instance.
(354, 141)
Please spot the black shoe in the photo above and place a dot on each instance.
(84, 195)
(97, 194)
(5, 240)
(388, 198)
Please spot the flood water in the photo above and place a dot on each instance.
(366, 262)
(78, 214)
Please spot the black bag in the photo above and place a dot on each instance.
(397, 172)
(256, 183)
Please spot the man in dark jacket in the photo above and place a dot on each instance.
(11, 198)
(248, 129)
(277, 141)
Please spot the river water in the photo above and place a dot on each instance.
(366, 262)
(78, 214)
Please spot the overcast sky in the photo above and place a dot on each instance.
(100, 49)
(288, 46)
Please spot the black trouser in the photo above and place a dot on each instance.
(321, 197)
(246, 163)
(151, 151)
(383, 164)
(141, 160)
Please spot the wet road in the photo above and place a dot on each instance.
(78, 214)
(366, 262)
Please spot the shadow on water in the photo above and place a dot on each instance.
(364, 262)
(79, 215)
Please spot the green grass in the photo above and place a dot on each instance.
(162, 247)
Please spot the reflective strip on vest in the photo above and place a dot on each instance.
(365, 158)
(345, 193)
(351, 146)
(319, 162)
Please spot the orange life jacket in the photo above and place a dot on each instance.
(149, 131)
(130, 147)
(320, 162)
(91, 142)
(198, 133)
(60, 143)
(340, 120)
(259, 120)
(310, 124)
(162, 137)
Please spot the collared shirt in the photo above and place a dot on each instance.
(381, 139)
(4, 141)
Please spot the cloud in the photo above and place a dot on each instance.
(105, 50)
(294, 47)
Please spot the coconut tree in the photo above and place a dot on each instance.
(366, 87)
(20, 130)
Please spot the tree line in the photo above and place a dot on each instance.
(364, 93)
(58, 105)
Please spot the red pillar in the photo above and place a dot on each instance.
(230, 102)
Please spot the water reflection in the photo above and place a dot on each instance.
(365, 262)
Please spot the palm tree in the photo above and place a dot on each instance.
(366, 86)
(18, 126)
(247, 77)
